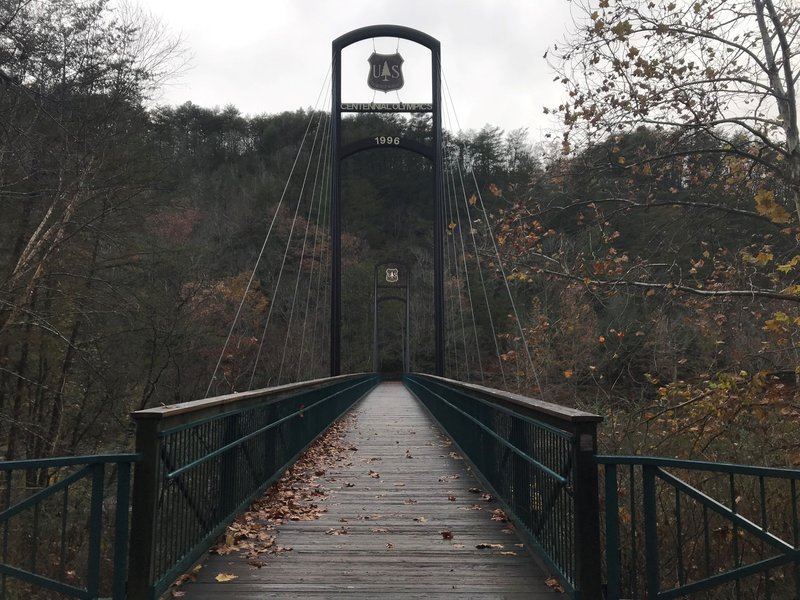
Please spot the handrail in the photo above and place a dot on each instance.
(206, 460)
(715, 525)
(47, 513)
(537, 458)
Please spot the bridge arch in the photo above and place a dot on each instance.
(433, 152)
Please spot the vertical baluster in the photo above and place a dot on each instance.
(122, 529)
(764, 524)
(95, 530)
(62, 559)
(166, 535)
(9, 479)
(634, 573)
(679, 537)
(192, 537)
(651, 531)
(707, 541)
(612, 532)
(35, 535)
(183, 507)
(796, 532)
(735, 537)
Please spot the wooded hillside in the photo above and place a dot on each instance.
(652, 252)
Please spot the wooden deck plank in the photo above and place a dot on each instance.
(390, 503)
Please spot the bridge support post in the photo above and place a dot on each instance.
(587, 512)
(433, 153)
(143, 510)
(439, 223)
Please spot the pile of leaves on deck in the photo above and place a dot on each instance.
(294, 497)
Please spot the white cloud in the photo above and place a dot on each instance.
(269, 56)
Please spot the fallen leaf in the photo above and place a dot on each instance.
(475, 490)
(421, 519)
(223, 577)
(553, 583)
(509, 553)
(380, 530)
(178, 594)
(483, 546)
(409, 501)
(337, 531)
(390, 545)
(451, 498)
(447, 535)
(257, 563)
(498, 514)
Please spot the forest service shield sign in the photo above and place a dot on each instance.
(385, 72)
(392, 275)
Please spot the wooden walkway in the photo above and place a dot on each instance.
(411, 523)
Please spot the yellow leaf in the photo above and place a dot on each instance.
(785, 268)
(768, 207)
(451, 226)
(223, 577)
(763, 258)
(472, 200)
(568, 373)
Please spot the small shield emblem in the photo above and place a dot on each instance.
(392, 276)
(385, 72)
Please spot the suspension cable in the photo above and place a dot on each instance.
(324, 268)
(460, 229)
(523, 337)
(267, 237)
(303, 251)
(451, 228)
(472, 232)
(285, 254)
(314, 258)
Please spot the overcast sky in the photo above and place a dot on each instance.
(266, 56)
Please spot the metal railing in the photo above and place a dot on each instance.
(538, 460)
(680, 528)
(205, 461)
(62, 534)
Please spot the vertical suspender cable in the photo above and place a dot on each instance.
(523, 337)
(480, 274)
(314, 260)
(303, 251)
(460, 229)
(266, 239)
(285, 254)
(452, 225)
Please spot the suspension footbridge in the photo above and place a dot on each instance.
(447, 483)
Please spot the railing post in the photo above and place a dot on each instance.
(612, 532)
(143, 510)
(587, 512)
(121, 530)
(650, 530)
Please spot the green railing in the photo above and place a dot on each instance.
(692, 529)
(62, 535)
(204, 461)
(538, 460)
